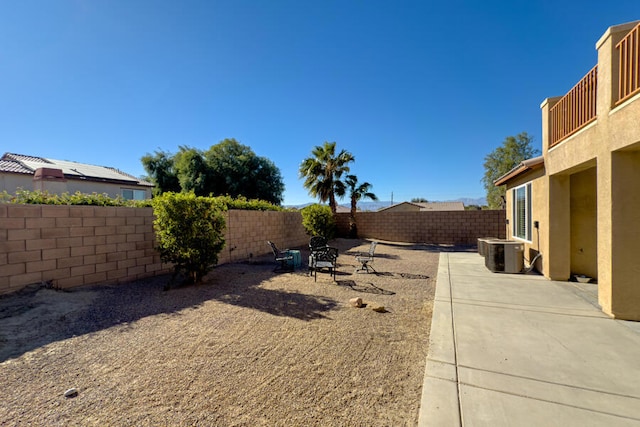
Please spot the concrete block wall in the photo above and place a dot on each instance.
(75, 245)
(437, 227)
(248, 231)
(82, 245)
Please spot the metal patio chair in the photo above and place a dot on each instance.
(323, 258)
(284, 258)
(366, 259)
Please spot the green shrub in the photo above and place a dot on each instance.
(318, 220)
(242, 203)
(189, 232)
(38, 197)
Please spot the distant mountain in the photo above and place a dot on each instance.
(368, 206)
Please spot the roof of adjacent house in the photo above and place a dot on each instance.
(25, 164)
(431, 206)
(522, 167)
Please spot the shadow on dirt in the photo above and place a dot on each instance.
(369, 288)
(38, 316)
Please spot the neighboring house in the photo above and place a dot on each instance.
(18, 171)
(579, 203)
(421, 207)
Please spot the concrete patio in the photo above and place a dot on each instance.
(520, 350)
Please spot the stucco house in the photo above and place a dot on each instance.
(19, 171)
(422, 207)
(579, 203)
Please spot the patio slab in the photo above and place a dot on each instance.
(522, 350)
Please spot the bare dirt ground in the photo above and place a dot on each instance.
(247, 347)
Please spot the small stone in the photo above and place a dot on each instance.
(72, 392)
(378, 308)
(356, 302)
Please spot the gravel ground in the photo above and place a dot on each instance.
(247, 347)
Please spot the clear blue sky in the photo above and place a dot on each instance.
(418, 91)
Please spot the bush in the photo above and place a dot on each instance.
(242, 203)
(318, 220)
(189, 232)
(38, 197)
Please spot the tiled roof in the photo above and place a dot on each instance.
(74, 170)
(21, 157)
(12, 166)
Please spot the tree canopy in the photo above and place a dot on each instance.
(161, 171)
(514, 149)
(322, 172)
(227, 168)
(357, 192)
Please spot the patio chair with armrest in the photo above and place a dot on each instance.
(315, 244)
(284, 258)
(366, 259)
(324, 258)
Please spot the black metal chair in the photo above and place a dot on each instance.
(366, 259)
(316, 243)
(323, 258)
(284, 258)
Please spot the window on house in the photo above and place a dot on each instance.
(130, 194)
(522, 211)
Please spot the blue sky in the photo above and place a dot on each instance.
(418, 91)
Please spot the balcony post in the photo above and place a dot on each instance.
(609, 67)
(546, 106)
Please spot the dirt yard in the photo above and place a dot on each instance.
(247, 347)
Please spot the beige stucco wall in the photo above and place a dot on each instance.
(11, 182)
(583, 218)
(538, 209)
(593, 183)
(403, 207)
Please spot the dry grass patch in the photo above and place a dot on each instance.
(247, 347)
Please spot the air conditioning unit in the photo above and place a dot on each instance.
(494, 255)
(513, 257)
(504, 256)
(482, 245)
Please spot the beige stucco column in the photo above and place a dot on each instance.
(618, 183)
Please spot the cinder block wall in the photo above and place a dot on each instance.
(75, 245)
(81, 245)
(248, 231)
(437, 227)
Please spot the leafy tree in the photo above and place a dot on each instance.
(189, 232)
(419, 200)
(236, 170)
(160, 168)
(514, 149)
(228, 168)
(318, 220)
(192, 170)
(322, 173)
(357, 193)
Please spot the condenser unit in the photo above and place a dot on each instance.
(504, 256)
(482, 245)
(513, 257)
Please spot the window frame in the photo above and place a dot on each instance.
(526, 215)
(134, 191)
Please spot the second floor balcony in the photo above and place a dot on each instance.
(619, 64)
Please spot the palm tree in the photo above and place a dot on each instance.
(322, 173)
(357, 193)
